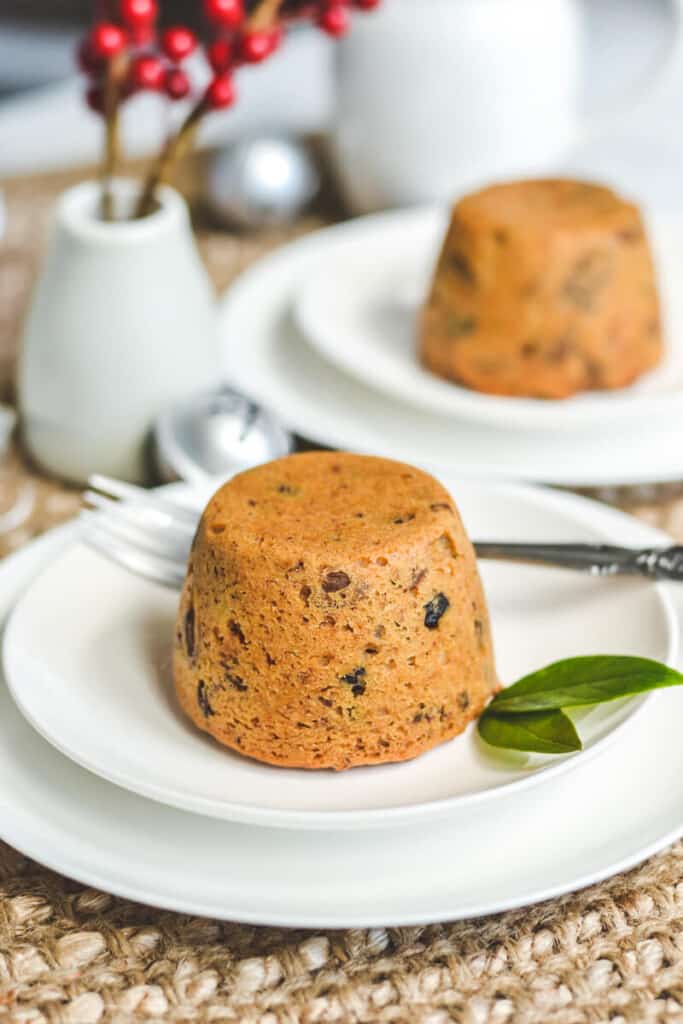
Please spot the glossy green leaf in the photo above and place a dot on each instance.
(541, 732)
(588, 680)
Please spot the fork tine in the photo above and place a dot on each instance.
(127, 531)
(136, 529)
(144, 516)
(150, 566)
(130, 492)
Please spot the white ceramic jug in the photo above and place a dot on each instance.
(121, 324)
(438, 96)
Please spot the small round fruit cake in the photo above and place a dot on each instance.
(543, 289)
(333, 615)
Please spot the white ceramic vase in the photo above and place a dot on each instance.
(121, 325)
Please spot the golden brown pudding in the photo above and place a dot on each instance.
(333, 615)
(543, 289)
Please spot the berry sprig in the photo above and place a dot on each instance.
(106, 56)
(126, 54)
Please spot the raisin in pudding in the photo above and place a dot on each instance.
(543, 289)
(333, 615)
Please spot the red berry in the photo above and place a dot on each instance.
(220, 93)
(334, 20)
(228, 13)
(276, 36)
(106, 40)
(141, 35)
(86, 59)
(148, 73)
(176, 84)
(367, 5)
(220, 55)
(139, 13)
(178, 42)
(256, 46)
(94, 97)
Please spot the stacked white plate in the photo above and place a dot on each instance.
(324, 333)
(103, 779)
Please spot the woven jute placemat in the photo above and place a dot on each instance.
(72, 954)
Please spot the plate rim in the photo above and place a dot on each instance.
(576, 413)
(359, 819)
(288, 264)
(24, 834)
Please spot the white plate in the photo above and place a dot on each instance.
(267, 356)
(87, 653)
(360, 307)
(603, 817)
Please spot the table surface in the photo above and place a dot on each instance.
(74, 955)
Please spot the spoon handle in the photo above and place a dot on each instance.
(597, 559)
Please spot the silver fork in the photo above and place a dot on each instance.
(151, 536)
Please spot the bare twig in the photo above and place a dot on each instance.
(111, 149)
(174, 149)
(265, 15)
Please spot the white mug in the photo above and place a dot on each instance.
(437, 96)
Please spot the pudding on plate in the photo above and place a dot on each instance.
(543, 289)
(333, 615)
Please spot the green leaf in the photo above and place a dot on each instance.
(579, 681)
(543, 732)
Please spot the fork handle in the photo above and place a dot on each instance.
(597, 559)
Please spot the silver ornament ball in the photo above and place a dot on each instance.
(261, 182)
(215, 435)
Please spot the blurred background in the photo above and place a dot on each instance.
(423, 100)
(42, 124)
(42, 120)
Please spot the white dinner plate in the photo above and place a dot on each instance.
(605, 816)
(360, 309)
(267, 356)
(87, 658)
